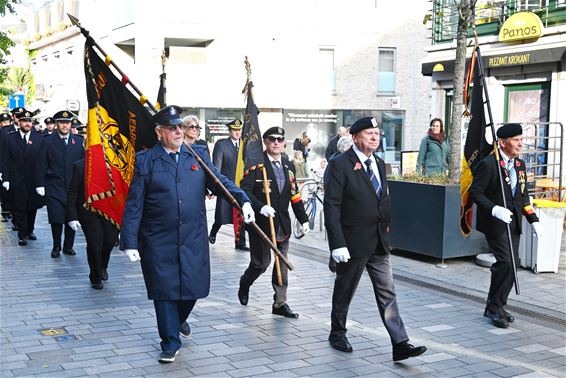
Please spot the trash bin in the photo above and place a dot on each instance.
(543, 255)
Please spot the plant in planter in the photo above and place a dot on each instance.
(425, 218)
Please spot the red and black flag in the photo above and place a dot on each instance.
(251, 150)
(118, 126)
(476, 147)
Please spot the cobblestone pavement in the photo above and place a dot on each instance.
(112, 332)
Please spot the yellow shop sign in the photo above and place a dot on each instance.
(522, 25)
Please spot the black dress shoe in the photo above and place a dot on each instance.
(70, 252)
(212, 239)
(498, 319)
(32, 236)
(285, 311)
(104, 275)
(97, 285)
(56, 252)
(22, 242)
(340, 342)
(168, 357)
(510, 318)
(242, 247)
(243, 293)
(185, 330)
(404, 350)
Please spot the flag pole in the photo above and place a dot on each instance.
(497, 156)
(144, 100)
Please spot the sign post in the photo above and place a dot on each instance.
(17, 100)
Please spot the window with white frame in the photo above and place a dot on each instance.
(386, 71)
(327, 67)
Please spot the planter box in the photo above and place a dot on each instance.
(425, 219)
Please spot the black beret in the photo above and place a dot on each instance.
(169, 115)
(5, 117)
(509, 130)
(275, 131)
(362, 124)
(26, 114)
(235, 124)
(48, 120)
(17, 110)
(63, 115)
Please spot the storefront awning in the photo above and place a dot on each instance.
(517, 58)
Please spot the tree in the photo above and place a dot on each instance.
(5, 43)
(464, 9)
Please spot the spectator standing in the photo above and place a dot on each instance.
(434, 151)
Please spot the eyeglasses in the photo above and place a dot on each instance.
(278, 139)
(171, 128)
(195, 127)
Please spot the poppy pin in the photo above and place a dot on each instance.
(30, 142)
(357, 166)
(517, 163)
(194, 167)
(73, 141)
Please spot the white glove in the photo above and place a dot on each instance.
(267, 211)
(248, 213)
(502, 213)
(341, 254)
(0, 176)
(132, 254)
(6, 185)
(41, 191)
(305, 228)
(74, 225)
(537, 228)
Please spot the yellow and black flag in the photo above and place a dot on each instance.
(476, 147)
(118, 126)
(251, 150)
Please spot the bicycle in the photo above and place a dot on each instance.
(311, 192)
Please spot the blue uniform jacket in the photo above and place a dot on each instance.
(165, 219)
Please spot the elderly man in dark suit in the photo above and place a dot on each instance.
(18, 174)
(225, 158)
(164, 225)
(357, 217)
(492, 216)
(59, 152)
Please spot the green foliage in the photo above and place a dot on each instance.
(9, 5)
(5, 42)
(436, 179)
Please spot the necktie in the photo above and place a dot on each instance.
(65, 141)
(278, 174)
(236, 145)
(174, 156)
(512, 176)
(373, 179)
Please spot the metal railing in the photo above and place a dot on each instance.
(490, 15)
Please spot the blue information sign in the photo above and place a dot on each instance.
(17, 100)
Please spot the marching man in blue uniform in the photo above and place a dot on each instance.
(60, 150)
(164, 225)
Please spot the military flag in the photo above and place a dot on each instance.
(475, 147)
(250, 152)
(161, 92)
(118, 125)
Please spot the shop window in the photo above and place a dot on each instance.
(386, 71)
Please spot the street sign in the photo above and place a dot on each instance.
(17, 100)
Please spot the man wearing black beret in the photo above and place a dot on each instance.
(357, 217)
(492, 216)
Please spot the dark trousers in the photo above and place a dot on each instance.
(347, 278)
(260, 258)
(242, 240)
(502, 269)
(170, 315)
(56, 230)
(25, 221)
(100, 237)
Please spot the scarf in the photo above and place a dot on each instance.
(437, 137)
